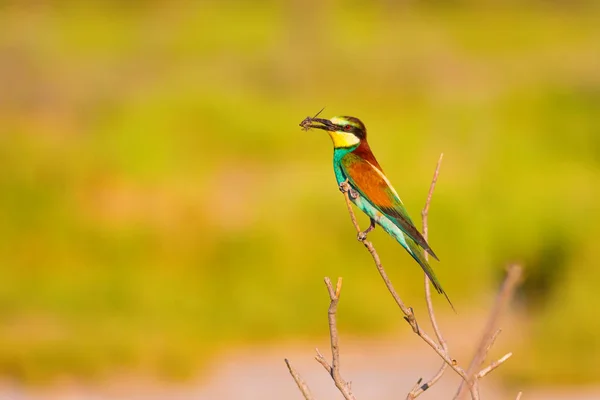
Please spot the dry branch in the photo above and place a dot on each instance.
(334, 367)
(519, 396)
(419, 388)
(302, 386)
(471, 377)
(490, 332)
(493, 366)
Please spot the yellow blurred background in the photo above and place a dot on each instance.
(159, 203)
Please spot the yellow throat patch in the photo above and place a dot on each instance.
(341, 138)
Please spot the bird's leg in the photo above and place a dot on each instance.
(353, 194)
(362, 236)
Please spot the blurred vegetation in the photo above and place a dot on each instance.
(158, 200)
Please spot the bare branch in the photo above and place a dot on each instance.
(323, 361)
(334, 367)
(410, 395)
(519, 396)
(299, 381)
(493, 340)
(419, 389)
(490, 333)
(493, 365)
(425, 212)
(513, 277)
(425, 217)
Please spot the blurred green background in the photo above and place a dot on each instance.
(158, 201)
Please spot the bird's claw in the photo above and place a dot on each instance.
(362, 236)
(346, 188)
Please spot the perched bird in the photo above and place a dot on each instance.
(370, 190)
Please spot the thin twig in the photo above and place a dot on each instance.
(334, 367)
(513, 277)
(493, 340)
(299, 381)
(519, 396)
(419, 389)
(494, 365)
(410, 395)
(409, 315)
(323, 361)
(425, 212)
(425, 217)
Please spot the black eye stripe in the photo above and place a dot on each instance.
(352, 125)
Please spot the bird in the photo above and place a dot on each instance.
(370, 189)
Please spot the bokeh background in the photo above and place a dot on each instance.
(159, 204)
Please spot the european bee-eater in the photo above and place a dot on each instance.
(370, 189)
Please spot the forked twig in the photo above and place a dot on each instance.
(334, 367)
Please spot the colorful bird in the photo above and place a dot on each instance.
(370, 190)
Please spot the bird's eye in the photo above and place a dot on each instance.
(347, 128)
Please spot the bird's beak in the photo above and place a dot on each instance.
(318, 123)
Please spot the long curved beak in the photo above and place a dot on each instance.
(318, 123)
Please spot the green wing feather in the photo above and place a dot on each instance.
(364, 177)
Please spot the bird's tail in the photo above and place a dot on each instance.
(417, 253)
